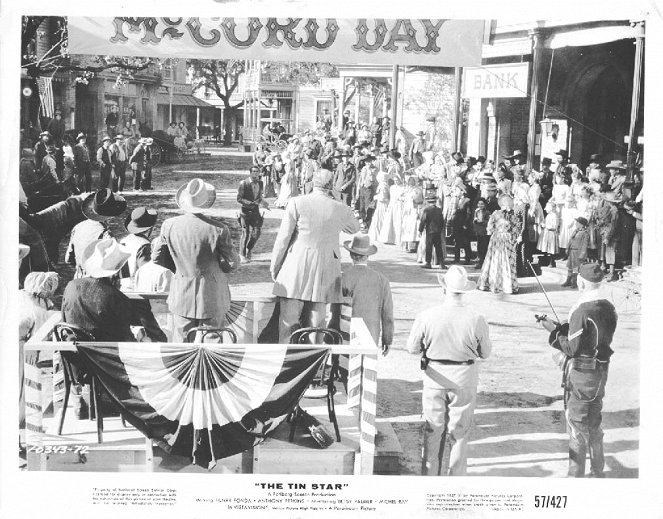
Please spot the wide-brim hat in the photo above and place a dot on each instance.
(582, 221)
(196, 196)
(106, 138)
(102, 205)
(421, 133)
(457, 156)
(516, 153)
(119, 137)
(615, 164)
(562, 153)
(505, 199)
(104, 258)
(591, 272)
(140, 220)
(455, 280)
(546, 161)
(45, 133)
(369, 157)
(360, 244)
(81, 136)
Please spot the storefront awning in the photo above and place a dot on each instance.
(594, 36)
(182, 100)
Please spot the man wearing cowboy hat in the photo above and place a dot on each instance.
(96, 304)
(203, 253)
(306, 259)
(105, 159)
(432, 222)
(369, 290)
(450, 337)
(82, 165)
(517, 163)
(97, 208)
(137, 162)
(41, 147)
(617, 172)
(417, 149)
(345, 177)
(146, 183)
(139, 224)
(583, 353)
(120, 159)
(250, 197)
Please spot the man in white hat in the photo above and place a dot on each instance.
(450, 337)
(306, 259)
(370, 291)
(82, 165)
(137, 162)
(203, 253)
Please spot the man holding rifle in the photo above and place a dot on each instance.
(583, 352)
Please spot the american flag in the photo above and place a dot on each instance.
(45, 86)
(378, 96)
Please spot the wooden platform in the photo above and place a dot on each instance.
(126, 450)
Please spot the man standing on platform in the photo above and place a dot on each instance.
(250, 196)
(450, 337)
(120, 159)
(306, 261)
(105, 160)
(203, 253)
(137, 162)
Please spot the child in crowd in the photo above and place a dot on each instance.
(548, 239)
(577, 249)
(480, 224)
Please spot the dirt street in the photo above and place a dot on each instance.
(520, 428)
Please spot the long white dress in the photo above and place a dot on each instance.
(413, 198)
(392, 226)
(382, 203)
(288, 185)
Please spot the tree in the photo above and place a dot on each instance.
(57, 58)
(221, 77)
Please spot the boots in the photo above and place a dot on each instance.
(574, 280)
(568, 282)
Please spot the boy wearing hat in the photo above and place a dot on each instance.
(450, 338)
(97, 208)
(82, 166)
(105, 159)
(369, 290)
(583, 353)
(577, 251)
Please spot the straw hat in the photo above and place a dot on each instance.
(104, 258)
(455, 280)
(196, 196)
(615, 164)
(360, 244)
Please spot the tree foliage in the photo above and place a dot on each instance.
(57, 58)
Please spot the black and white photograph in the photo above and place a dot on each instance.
(295, 249)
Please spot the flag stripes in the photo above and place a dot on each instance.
(45, 87)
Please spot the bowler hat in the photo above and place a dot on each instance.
(104, 258)
(196, 196)
(455, 280)
(140, 220)
(360, 244)
(103, 204)
(591, 272)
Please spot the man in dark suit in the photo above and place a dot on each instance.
(105, 160)
(432, 221)
(250, 196)
(137, 162)
(82, 165)
(345, 178)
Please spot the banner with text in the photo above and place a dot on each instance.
(423, 42)
(509, 80)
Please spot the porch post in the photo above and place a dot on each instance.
(537, 46)
(635, 99)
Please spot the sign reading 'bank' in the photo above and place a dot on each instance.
(509, 80)
(424, 42)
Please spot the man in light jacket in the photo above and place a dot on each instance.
(203, 253)
(306, 260)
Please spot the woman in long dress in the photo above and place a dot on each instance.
(391, 229)
(381, 204)
(499, 267)
(289, 179)
(413, 199)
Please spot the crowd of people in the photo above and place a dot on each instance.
(331, 185)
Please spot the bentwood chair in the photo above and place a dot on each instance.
(200, 333)
(323, 385)
(73, 374)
